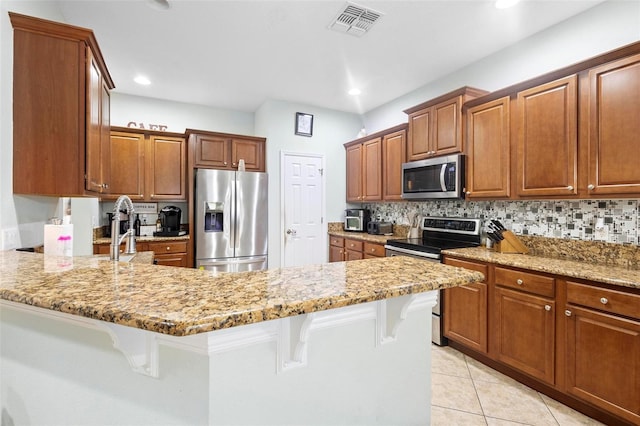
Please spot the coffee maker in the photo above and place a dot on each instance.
(170, 222)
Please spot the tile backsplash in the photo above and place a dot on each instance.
(569, 219)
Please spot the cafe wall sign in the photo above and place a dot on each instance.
(149, 126)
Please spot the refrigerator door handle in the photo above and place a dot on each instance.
(229, 211)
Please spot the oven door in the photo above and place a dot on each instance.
(437, 325)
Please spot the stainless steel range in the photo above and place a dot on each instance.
(438, 233)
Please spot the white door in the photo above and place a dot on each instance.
(303, 230)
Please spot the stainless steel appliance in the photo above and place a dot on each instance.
(438, 233)
(379, 228)
(439, 177)
(230, 220)
(356, 220)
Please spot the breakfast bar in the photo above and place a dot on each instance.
(91, 341)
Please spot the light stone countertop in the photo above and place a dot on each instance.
(182, 301)
(148, 239)
(588, 270)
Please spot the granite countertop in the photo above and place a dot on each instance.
(615, 274)
(182, 301)
(148, 239)
(363, 236)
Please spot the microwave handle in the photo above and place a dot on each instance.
(443, 184)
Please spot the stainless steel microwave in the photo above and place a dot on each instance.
(439, 177)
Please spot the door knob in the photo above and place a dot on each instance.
(291, 232)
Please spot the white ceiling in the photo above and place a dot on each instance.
(237, 54)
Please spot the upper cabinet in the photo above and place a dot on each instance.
(547, 139)
(224, 151)
(614, 128)
(488, 149)
(147, 166)
(374, 166)
(435, 127)
(61, 110)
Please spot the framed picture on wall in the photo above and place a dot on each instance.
(304, 124)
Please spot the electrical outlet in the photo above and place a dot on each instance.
(600, 231)
(10, 238)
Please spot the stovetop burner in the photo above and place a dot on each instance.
(442, 233)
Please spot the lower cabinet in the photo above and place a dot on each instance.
(603, 348)
(469, 325)
(168, 253)
(341, 249)
(580, 338)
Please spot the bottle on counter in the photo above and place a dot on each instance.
(158, 225)
(136, 225)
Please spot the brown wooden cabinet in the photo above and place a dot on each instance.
(336, 249)
(224, 151)
(603, 348)
(167, 253)
(466, 308)
(341, 249)
(488, 150)
(61, 112)
(374, 166)
(614, 108)
(547, 139)
(147, 166)
(435, 127)
(394, 153)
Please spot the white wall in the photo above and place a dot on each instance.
(275, 120)
(605, 27)
(21, 218)
(176, 115)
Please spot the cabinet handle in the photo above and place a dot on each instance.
(168, 248)
(152, 195)
(373, 250)
(591, 187)
(567, 313)
(570, 188)
(468, 193)
(233, 164)
(547, 307)
(225, 163)
(105, 185)
(519, 281)
(604, 300)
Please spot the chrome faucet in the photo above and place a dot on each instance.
(130, 235)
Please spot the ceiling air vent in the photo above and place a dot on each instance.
(355, 20)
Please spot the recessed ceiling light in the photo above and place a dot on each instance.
(159, 4)
(504, 4)
(355, 91)
(142, 80)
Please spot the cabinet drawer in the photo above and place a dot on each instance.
(468, 265)
(353, 245)
(532, 283)
(168, 247)
(336, 241)
(375, 250)
(177, 260)
(616, 302)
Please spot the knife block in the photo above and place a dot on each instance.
(511, 244)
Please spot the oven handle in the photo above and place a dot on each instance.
(413, 253)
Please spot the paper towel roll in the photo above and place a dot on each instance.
(58, 240)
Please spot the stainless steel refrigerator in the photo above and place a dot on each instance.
(231, 220)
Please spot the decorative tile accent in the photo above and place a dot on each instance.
(567, 219)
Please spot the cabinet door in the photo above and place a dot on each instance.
(354, 173)
(93, 147)
(126, 162)
(488, 150)
(447, 127)
(353, 255)
(166, 168)
(419, 140)
(336, 254)
(394, 152)
(614, 108)
(252, 152)
(105, 139)
(372, 170)
(603, 361)
(212, 151)
(465, 309)
(524, 333)
(177, 260)
(547, 141)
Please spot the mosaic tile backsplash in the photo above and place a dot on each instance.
(557, 219)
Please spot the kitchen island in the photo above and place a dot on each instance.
(101, 342)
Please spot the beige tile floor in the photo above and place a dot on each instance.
(466, 392)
